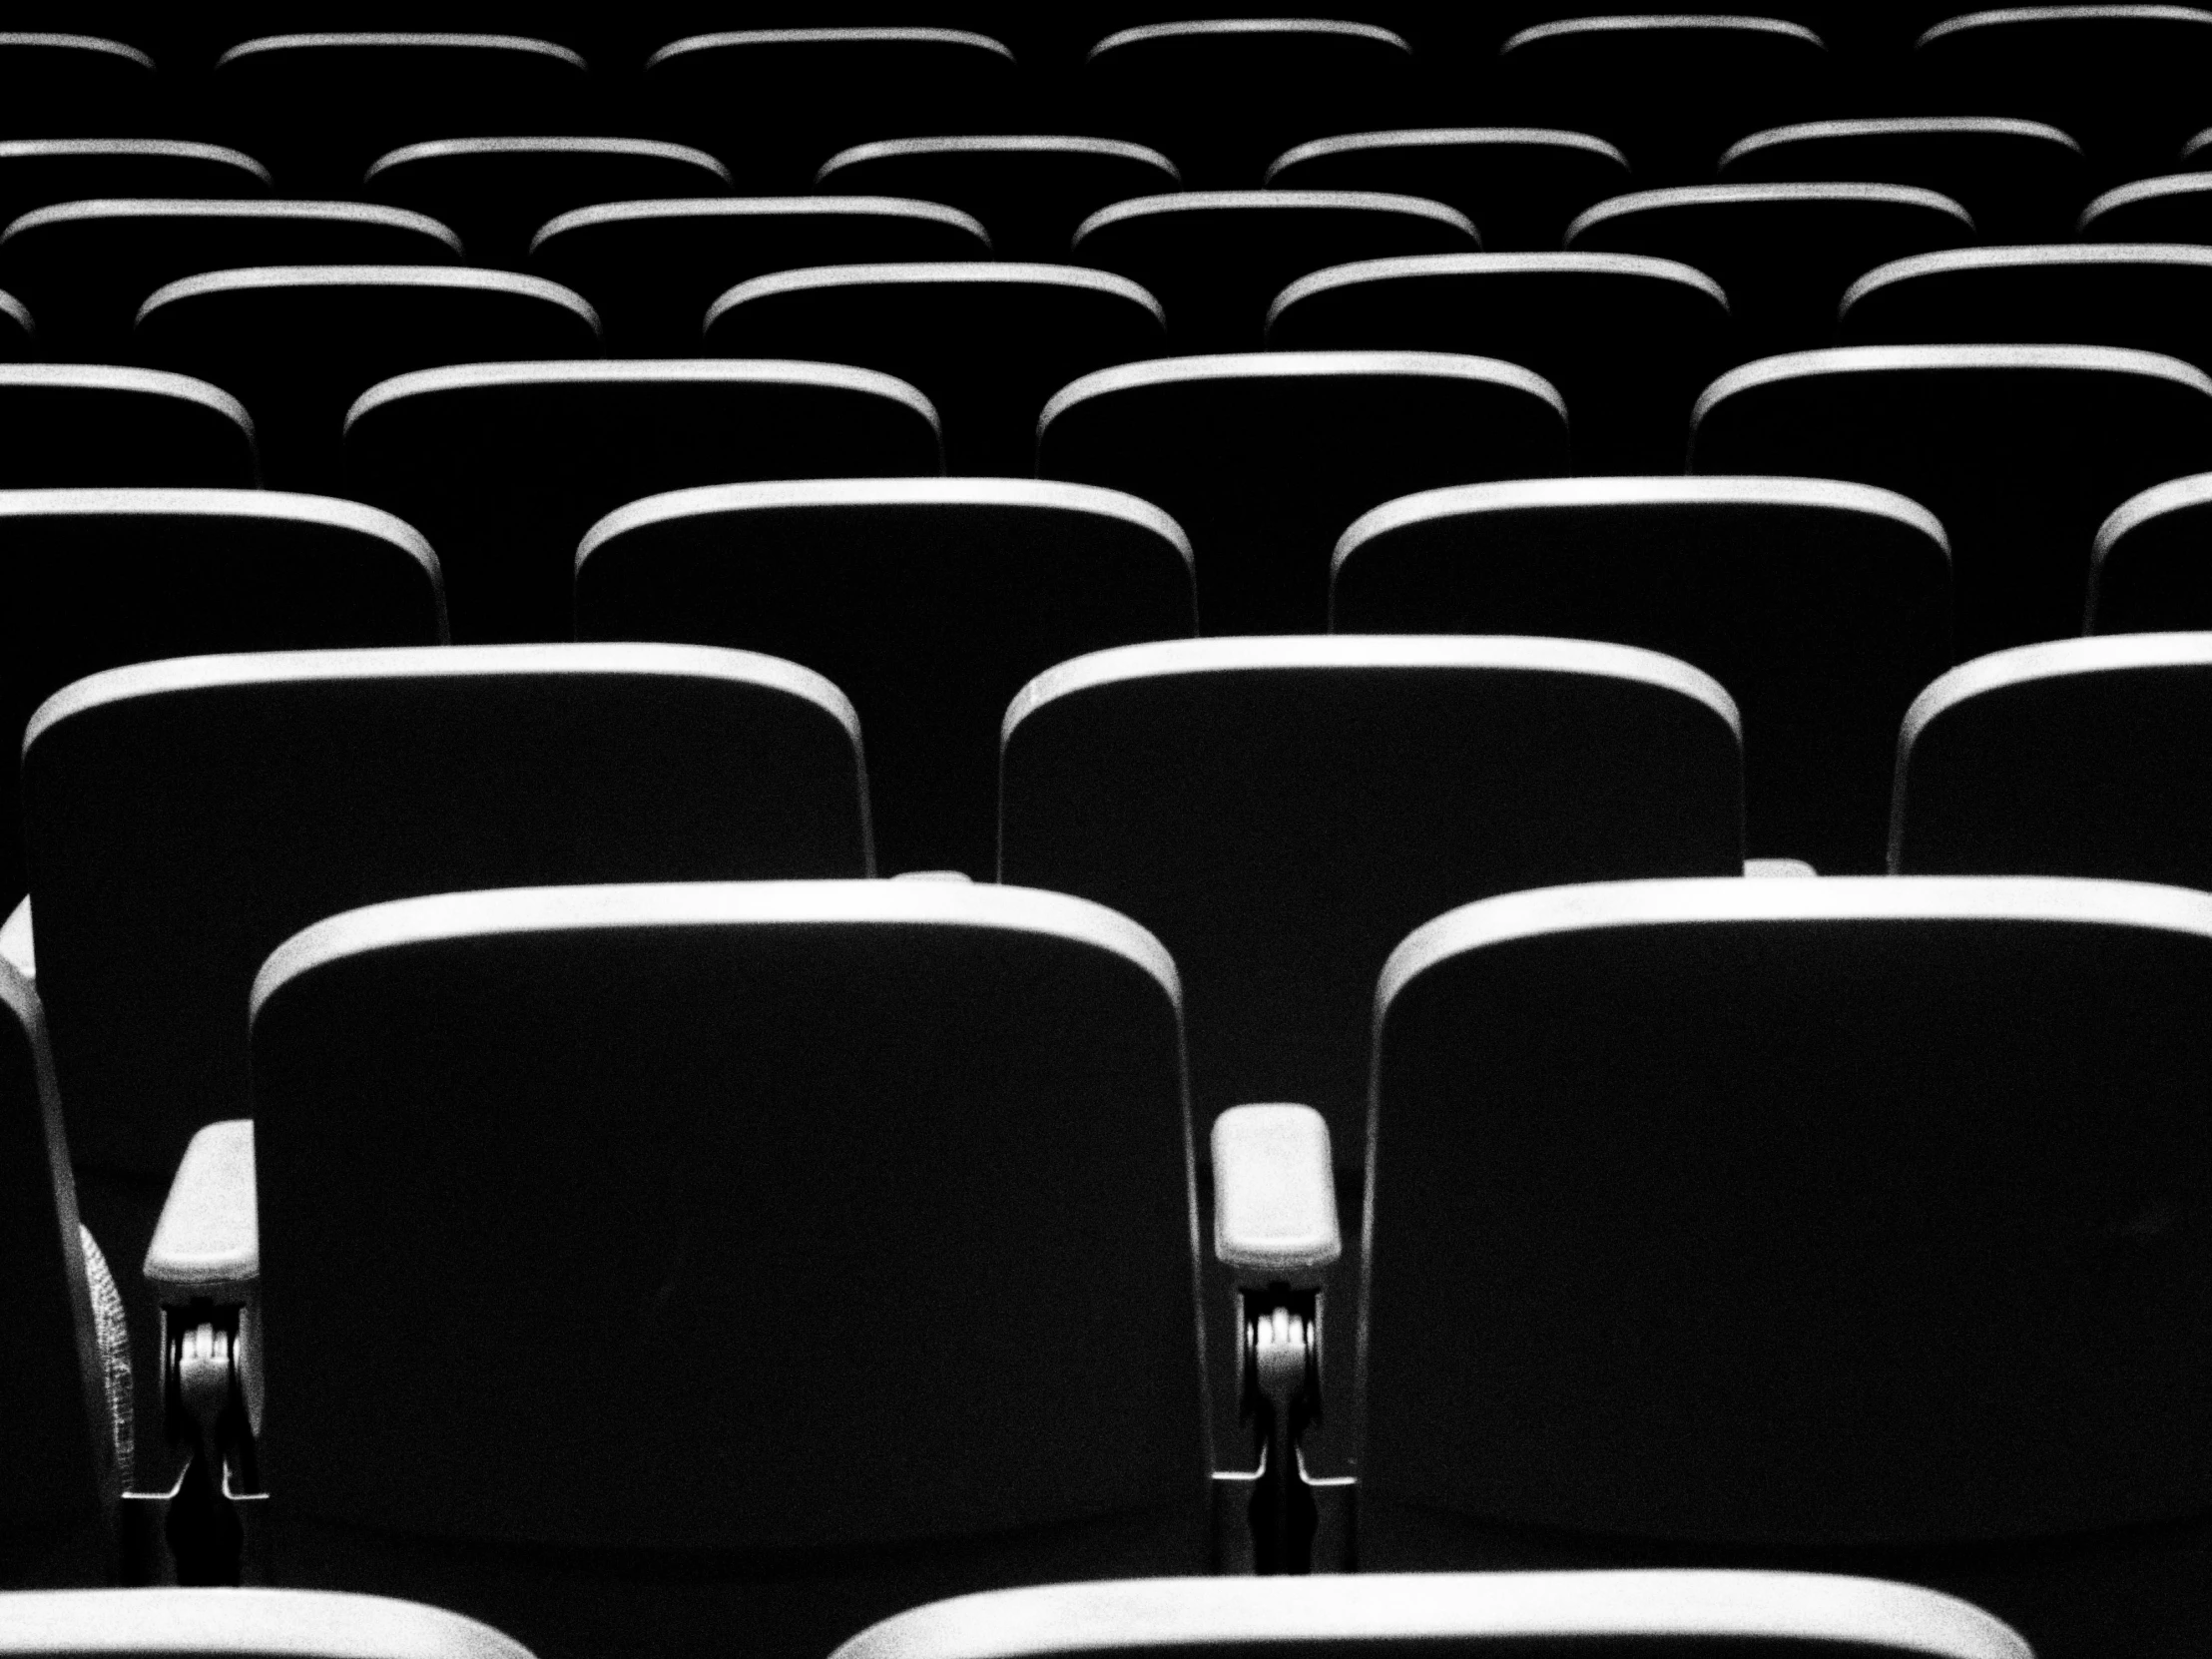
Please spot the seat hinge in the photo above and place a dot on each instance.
(1281, 1341)
(203, 1394)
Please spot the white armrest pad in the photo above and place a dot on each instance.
(209, 1240)
(1275, 1197)
(15, 942)
(1770, 869)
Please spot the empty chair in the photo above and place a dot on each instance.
(1224, 97)
(496, 192)
(37, 172)
(298, 343)
(2171, 208)
(988, 342)
(1629, 340)
(1520, 186)
(1786, 253)
(507, 465)
(2075, 757)
(1280, 812)
(1403, 1613)
(2148, 568)
(68, 86)
(1216, 257)
(65, 424)
(2020, 451)
(775, 103)
(652, 268)
(1030, 192)
(320, 108)
(928, 601)
(1002, 1101)
(249, 1624)
(201, 808)
(2156, 296)
(2022, 181)
(85, 267)
(1719, 1221)
(2127, 80)
(67, 1393)
(1265, 458)
(1671, 91)
(1823, 608)
(95, 578)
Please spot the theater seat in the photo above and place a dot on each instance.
(85, 267)
(2148, 570)
(779, 1132)
(506, 465)
(928, 601)
(298, 343)
(92, 579)
(1519, 185)
(37, 172)
(496, 192)
(241, 1624)
(64, 425)
(1216, 258)
(2020, 451)
(2022, 181)
(1280, 811)
(1823, 608)
(1779, 1221)
(988, 341)
(77, 85)
(1629, 340)
(200, 809)
(1264, 457)
(2076, 757)
(1029, 192)
(1616, 1614)
(2169, 207)
(652, 268)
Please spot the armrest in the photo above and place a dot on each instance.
(1275, 1196)
(207, 1244)
(1771, 869)
(15, 942)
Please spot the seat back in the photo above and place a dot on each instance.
(185, 817)
(732, 1204)
(1739, 1215)
(241, 1624)
(1280, 811)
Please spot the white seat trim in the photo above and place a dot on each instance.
(1798, 131)
(263, 1624)
(475, 277)
(938, 272)
(1429, 267)
(2017, 256)
(601, 214)
(1261, 366)
(1167, 203)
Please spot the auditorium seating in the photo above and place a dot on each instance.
(988, 341)
(1520, 186)
(1822, 607)
(497, 191)
(1782, 1219)
(652, 268)
(507, 465)
(937, 470)
(931, 602)
(1261, 457)
(2074, 758)
(1216, 258)
(2019, 452)
(2021, 181)
(1628, 339)
(1404, 1613)
(1782, 253)
(298, 343)
(860, 1333)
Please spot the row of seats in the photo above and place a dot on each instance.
(1704, 1219)
(1219, 96)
